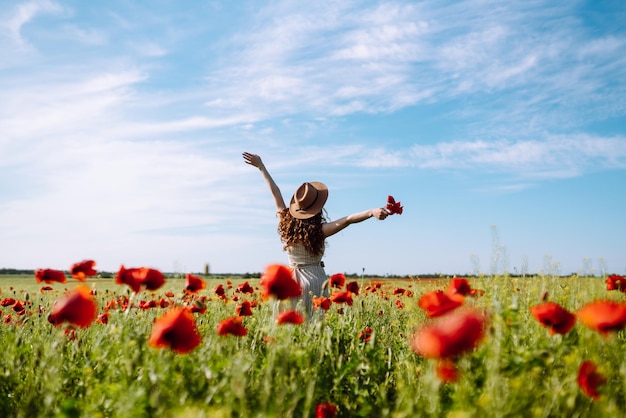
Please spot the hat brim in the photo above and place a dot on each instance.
(315, 208)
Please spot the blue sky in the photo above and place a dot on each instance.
(499, 125)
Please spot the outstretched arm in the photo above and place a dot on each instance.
(255, 160)
(331, 228)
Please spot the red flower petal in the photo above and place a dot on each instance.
(245, 288)
(83, 269)
(76, 307)
(603, 316)
(152, 279)
(322, 303)
(437, 303)
(337, 280)
(219, 290)
(342, 297)
(451, 335)
(278, 281)
(552, 316)
(49, 276)
(194, 284)
(290, 317)
(176, 330)
(616, 282)
(459, 286)
(447, 371)
(366, 334)
(232, 326)
(393, 207)
(244, 309)
(589, 380)
(138, 278)
(103, 318)
(325, 410)
(353, 287)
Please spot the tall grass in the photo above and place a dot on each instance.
(286, 370)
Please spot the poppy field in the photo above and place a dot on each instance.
(143, 344)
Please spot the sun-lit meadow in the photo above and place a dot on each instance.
(357, 358)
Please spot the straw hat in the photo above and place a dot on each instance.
(308, 200)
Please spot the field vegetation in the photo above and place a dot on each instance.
(370, 354)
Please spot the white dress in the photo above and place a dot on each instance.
(308, 270)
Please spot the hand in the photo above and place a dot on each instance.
(380, 213)
(253, 160)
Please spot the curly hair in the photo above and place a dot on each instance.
(307, 232)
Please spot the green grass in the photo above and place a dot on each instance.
(110, 371)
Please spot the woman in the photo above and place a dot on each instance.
(303, 229)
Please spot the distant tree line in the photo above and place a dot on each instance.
(256, 275)
(16, 271)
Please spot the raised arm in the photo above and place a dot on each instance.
(255, 160)
(331, 228)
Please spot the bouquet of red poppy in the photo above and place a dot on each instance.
(393, 207)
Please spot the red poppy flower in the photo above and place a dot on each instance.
(446, 371)
(220, 291)
(45, 288)
(169, 294)
(152, 279)
(459, 286)
(49, 276)
(399, 304)
(373, 287)
(198, 307)
(278, 281)
(290, 317)
(337, 280)
(244, 309)
(138, 278)
(393, 207)
(322, 303)
(128, 277)
(366, 334)
(232, 326)
(552, 316)
(245, 288)
(342, 297)
(437, 303)
(176, 330)
(147, 304)
(399, 291)
(353, 287)
(451, 335)
(616, 282)
(103, 318)
(76, 307)
(18, 307)
(194, 284)
(325, 410)
(83, 269)
(589, 380)
(603, 316)
(7, 302)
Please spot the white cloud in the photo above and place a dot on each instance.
(558, 156)
(24, 13)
